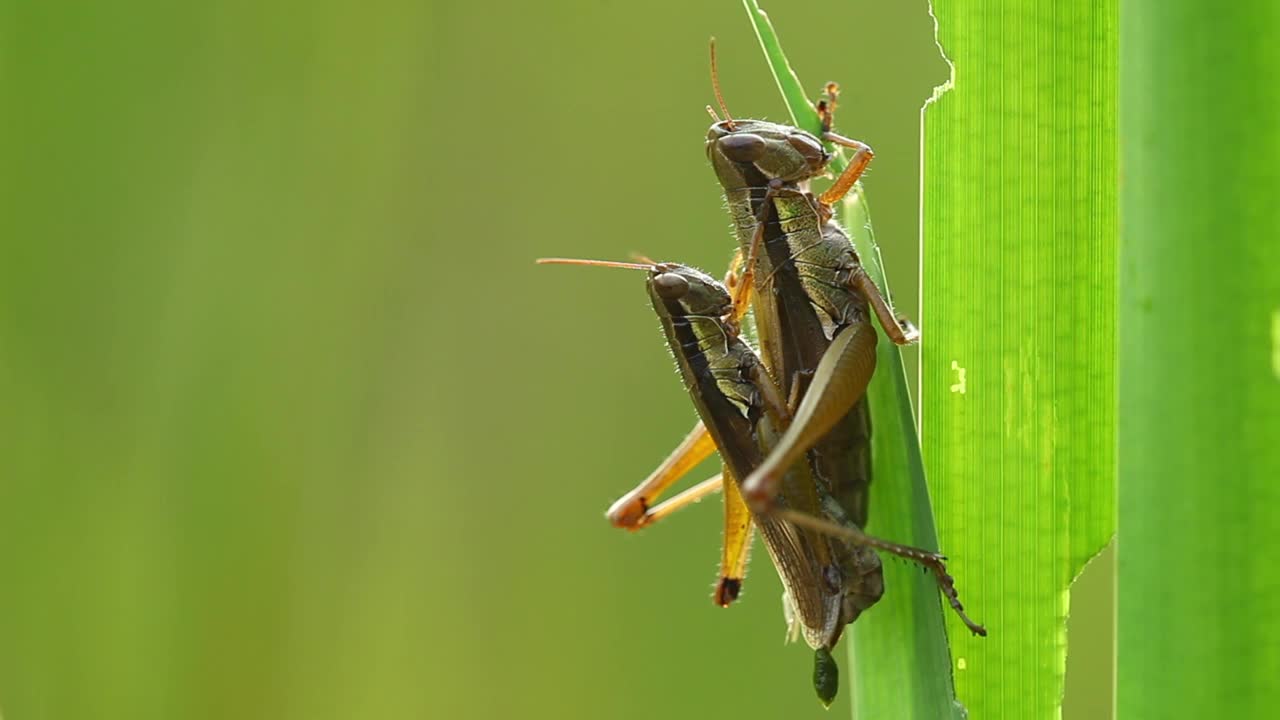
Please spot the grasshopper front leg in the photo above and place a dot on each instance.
(862, 153)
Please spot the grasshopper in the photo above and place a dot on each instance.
(800, 468)
(827, 564)
(813, 302)
(813, 298)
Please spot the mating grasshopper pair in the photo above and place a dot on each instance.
(792, 428)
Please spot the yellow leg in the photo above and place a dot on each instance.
(681, 500)
(862, 157)
(631, 511)
(738, 531)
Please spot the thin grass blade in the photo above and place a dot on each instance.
(899, 663)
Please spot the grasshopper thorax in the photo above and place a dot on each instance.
(778, 152)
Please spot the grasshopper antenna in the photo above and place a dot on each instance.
(595, 263)
(715, 85)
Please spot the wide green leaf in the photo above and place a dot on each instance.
(1018, 389)
(1199, 360)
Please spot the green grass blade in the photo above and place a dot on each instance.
(802, 112)
(1199, 360)
(1018, 388)
(899, 664)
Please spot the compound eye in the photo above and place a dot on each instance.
(670, 286)
(742, 147)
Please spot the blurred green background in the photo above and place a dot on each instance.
(290, 424)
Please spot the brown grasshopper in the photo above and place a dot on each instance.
(812, 306)
(813, 302)
(813, 298)
(827, 564)
(804, 467)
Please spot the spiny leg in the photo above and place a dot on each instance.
(738, 530)
(847, 530)
(839, 381)
(631, 510)
(899, 329)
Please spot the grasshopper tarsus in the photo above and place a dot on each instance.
(947, 584)
(910, 333)
(827, 106)
(727, 591)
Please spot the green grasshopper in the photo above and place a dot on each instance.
(827, 564)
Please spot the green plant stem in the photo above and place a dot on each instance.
(899, 663)
(802, 112)
(899, 657)
(1199, 360)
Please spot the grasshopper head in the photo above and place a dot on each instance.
(781, 152)
(696, 292)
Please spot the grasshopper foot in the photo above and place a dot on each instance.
(727, 590)
(910, 333)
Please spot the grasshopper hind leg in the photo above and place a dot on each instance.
(839, 525)
(839, 381)
(635, 509)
